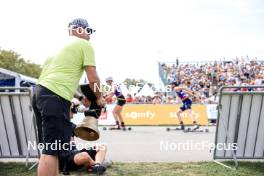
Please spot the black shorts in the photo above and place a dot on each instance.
(121, 101)
(53, 120)
(67, 164)
(186, 104)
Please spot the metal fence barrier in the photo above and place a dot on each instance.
(240, 122)
(17, 123)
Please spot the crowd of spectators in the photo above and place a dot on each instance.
(205, 79)
(163, 98)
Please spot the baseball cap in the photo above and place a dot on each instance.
(80, 22)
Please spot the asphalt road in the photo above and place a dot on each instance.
(155, 144)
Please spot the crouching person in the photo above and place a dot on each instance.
(92, 159)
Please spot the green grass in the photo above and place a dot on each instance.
(155, 169)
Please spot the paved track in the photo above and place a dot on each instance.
(155, 144)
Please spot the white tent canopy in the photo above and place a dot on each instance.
(146, 91)
(133, 89)
(17, 77)
(83, 79)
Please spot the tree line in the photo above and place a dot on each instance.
(11, 60)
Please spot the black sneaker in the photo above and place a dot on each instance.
(98, 169)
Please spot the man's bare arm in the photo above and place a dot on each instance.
(189, 91)
(185, 90)
(94, 80)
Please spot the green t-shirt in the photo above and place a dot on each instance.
(62, 72)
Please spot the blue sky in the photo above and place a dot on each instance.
(132, 35)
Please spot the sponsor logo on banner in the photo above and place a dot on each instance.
(148, 114)
(138, 115)
(184, 115)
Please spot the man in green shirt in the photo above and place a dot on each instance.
(55, 89)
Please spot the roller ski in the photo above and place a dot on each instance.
(124, 128)
(116, 127)
(179, 128)
(196, 128)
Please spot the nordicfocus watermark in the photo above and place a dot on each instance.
(86, 30)
(110, 88)
(194, 145)
(58, 145)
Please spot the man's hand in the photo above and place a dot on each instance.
(101, 102)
